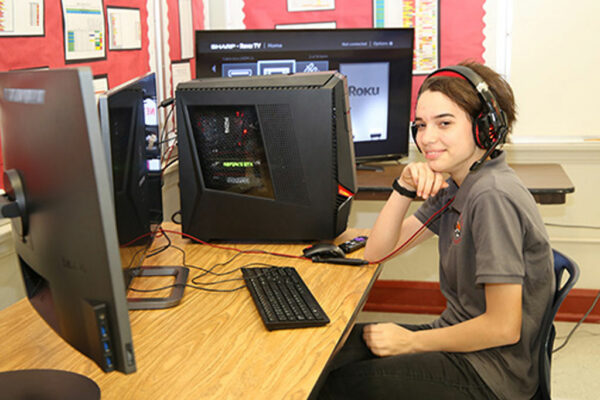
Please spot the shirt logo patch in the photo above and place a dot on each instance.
(457, 234)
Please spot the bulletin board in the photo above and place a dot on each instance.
(48, 50)
(460, 23)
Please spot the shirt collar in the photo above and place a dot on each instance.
(472, 177)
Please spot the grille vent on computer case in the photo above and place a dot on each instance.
(283, 151)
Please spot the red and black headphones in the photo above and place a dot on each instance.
(491, 126)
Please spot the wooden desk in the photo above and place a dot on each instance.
(212, 345)
(548, 183)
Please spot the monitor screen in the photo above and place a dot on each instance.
(377, 63)
(63, 220)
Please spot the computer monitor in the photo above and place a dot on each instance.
(129, 125)
(130, 132)
(265, 158)
(63, 220)
(377, 62)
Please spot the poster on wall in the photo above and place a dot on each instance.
(124, 28)
(186, 29)
(310, 5)
(21, 17)
(84, 32)
(181, 72)
(423, 15)
(347, 14)
(308, 25)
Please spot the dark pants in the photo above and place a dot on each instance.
(356, 373)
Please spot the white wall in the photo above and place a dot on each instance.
(549, 48)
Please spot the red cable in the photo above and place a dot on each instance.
(414, 234)
(136, 239)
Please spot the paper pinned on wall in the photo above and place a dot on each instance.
(423, 15)
(124, 28)
(308, 25)
(310, 5)
(84, 29)
(181, 72)
(186, 29)
(21, 18)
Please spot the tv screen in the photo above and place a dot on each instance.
(377, 64)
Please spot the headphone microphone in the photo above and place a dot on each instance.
(490, 127)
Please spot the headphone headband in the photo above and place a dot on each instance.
(488, 100)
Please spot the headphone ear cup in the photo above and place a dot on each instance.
(481, 132)
(414, 129)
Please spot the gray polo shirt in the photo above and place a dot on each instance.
(493, 233)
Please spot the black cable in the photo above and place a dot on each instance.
(171, 162)
(134, 258)
(167, 102)
(168, 139)
(165, 247)
(190, 286)
(203, 285)
(173, 217)
(206, 271)
(564, 343)
(197, 286)
(161, 137)
(210, 270)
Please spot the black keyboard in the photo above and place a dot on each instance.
(282, 298)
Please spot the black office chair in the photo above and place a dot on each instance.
(562, 263)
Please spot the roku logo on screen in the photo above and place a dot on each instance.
(363, 91)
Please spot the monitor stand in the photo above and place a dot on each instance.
(47, 384)
(364, 167)
(155, 303)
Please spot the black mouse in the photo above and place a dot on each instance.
(324, 250)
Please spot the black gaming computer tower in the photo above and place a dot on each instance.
(265, 157)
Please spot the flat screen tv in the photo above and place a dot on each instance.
(377, 63)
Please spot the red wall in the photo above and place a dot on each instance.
(48, 51)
